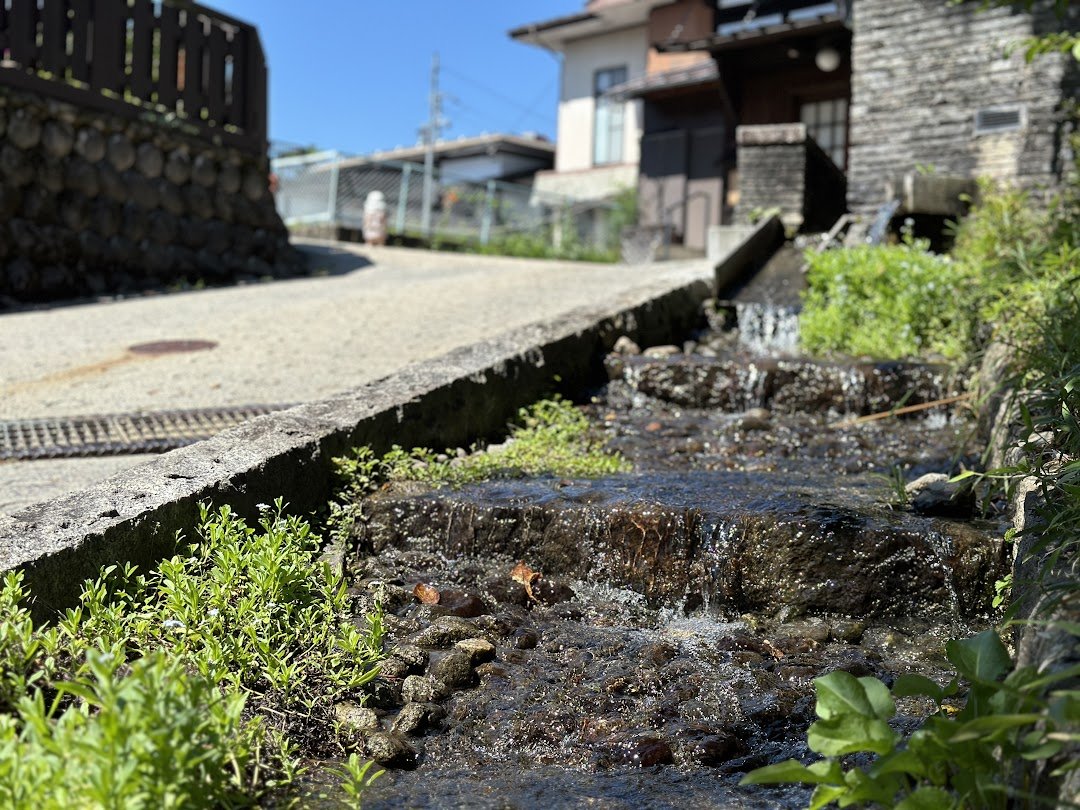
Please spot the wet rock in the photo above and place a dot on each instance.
(463, 604)
(392, 751)
(657, 352)
(551, 592)
(755, 419)
(506, 591)
(414, 718)
(357, 718)
(444, 631)
(385, 694)
(454, 669)
(420, 689)
(936, 494)
(479, 650)
(525, 639)
(659, 653)
(625, 345)
(491, 670)
(645, 752)
(414, 658)
(714, 749)
(851, 632)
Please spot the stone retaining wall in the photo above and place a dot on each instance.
(94, 203)
(920, 72)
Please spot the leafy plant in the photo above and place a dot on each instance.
(957, 758)
(193, 685)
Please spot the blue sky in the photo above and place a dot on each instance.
(353, 74)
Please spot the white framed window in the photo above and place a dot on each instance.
(609, 120)
(827, 123)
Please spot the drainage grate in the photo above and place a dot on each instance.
(119, 434)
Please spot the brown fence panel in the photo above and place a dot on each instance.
(144, 26)
(83, 11)
(54, 30)
(167, 89)
(194, 37)
(177, 57)
(215, 79)
(22, 30)
(109, 46)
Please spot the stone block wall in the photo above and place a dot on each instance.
(780, 167)
(920, 71)
(94, 203)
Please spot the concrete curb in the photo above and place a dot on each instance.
(472, 392)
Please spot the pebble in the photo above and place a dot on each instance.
(661, 352)
(392, 751)
(454, 669)
(626, 346)
(444, 631)
(415, 717)
(357, 718)
(479, 650)
(420, 689)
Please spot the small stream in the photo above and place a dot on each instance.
(663, 635)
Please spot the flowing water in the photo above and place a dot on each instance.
(662, 638)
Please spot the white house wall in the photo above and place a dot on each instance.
(582, 59)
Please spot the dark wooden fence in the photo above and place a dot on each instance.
(176, 58)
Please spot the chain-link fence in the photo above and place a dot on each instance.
(329, 189)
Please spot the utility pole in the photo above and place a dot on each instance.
(431, 131)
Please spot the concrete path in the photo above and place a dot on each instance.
(373, 312)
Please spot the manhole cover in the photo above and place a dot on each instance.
(172, 346)
(119, 434)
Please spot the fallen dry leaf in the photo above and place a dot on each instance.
(652, 427)
(426, 594)
(526, 576)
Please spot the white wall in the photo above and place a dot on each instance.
(582, 58)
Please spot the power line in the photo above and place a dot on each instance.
(523, 108)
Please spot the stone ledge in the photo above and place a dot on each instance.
(769, 134)
(471, 392)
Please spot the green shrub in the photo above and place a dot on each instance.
(893, 301)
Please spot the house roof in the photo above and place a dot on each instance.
(463, 147)
(738, 36)
(598, 18)
(701, 73)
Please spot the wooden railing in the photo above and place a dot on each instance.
(183, 61)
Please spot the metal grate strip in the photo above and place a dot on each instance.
(119, 434)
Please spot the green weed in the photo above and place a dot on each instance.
(195, 685)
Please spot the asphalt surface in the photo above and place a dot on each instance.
(369, 312)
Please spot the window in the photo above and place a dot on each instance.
(609, 118)
(826, 123)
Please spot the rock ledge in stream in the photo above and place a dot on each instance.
(701, 538)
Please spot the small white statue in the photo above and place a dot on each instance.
(375, 218)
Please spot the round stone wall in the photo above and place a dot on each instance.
(92, 204)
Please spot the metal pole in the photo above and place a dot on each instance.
(332, 213)
(489, 206)
(403, 198)
(431, 133)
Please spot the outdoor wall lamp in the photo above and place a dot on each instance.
(827, 59)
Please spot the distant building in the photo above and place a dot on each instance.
(713, 109)
(507, 158)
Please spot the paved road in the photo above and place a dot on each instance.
(373, 311)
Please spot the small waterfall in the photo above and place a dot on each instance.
(768, 328)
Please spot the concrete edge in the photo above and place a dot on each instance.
(755, 250)
(472, 392)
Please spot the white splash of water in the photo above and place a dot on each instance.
(766, 329)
